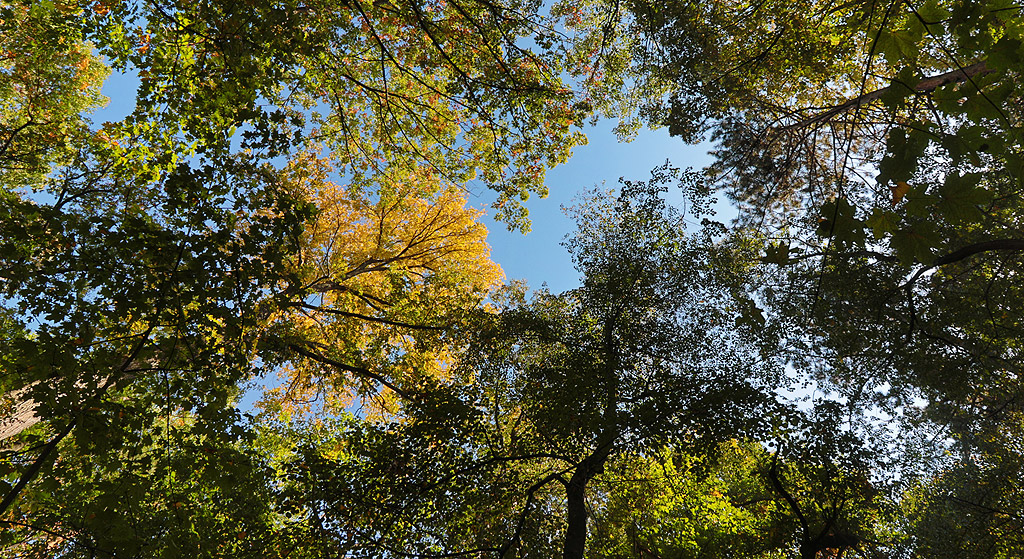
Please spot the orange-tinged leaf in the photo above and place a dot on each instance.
(899, 191)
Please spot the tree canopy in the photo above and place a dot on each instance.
(875, 147)
(283, 218)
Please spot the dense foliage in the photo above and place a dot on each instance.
(833, 374)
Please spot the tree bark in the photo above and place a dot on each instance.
(967, 252)
(21, 413)
(33, 469)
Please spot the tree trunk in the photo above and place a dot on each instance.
(576, 489)
(576, 507)
(576, 517)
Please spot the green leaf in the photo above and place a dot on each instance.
(751, 316)
(919, 203)
(904, 147)
(776, 253)
(839, 222)
(987, 103)
(933, 14)
(901, 88)
(882, 222)
(1005, 55)
(915, 244)
(899, 46)
(960, 197)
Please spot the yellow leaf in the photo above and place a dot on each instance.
(386, 269)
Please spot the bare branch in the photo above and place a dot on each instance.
(366, 317)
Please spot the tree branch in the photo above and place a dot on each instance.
(773, 476)
(967, 252)
(518, 533)
(10, 139)
(924, 86)
(36, 466)
(360, 371)
(977, 248)
(365, 317)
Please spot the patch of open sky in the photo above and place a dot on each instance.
(121, 88)
(538, 257)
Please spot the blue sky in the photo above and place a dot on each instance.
(538, 256)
